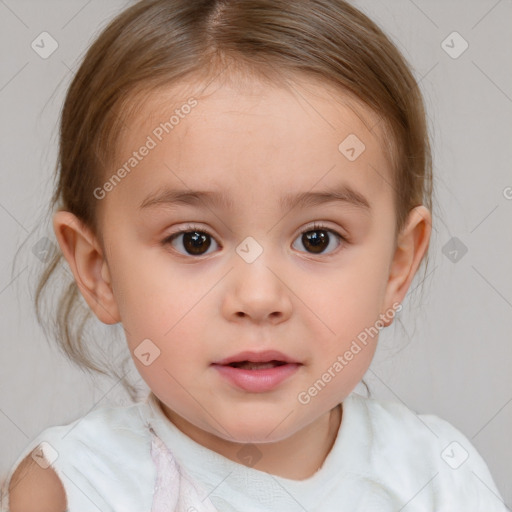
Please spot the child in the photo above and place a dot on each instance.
(245, 186)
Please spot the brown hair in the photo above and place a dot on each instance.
(158, 43)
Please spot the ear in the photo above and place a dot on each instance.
(412, 244)
(85, 258)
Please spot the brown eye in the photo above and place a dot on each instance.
(319, 239)
(316, 241)
(196, 242)
(192, 242)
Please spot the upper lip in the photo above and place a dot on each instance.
(257, 357)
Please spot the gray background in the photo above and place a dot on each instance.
(453, 355)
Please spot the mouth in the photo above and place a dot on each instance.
(252, 360)
(257, 372)
(250, 365)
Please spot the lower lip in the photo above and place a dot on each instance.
(257, 381)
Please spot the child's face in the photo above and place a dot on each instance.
(257, 283)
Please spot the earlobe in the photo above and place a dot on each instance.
(411, 246)
(84, 256)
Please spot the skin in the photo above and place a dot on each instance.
(256, 143)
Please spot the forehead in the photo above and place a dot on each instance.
(280, 137)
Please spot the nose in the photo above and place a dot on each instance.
(257, 292)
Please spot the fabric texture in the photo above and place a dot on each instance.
(385, 458)
(174, 490)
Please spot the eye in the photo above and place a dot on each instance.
(195, 241)
(318, 238)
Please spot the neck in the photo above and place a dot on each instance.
(297, 457)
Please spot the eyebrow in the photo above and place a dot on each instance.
(341, 194)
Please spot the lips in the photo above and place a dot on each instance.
(257, 360)
(257, 372)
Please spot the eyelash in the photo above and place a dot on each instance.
(315, 227)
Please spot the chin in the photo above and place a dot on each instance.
(254, 429)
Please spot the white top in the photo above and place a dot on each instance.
(385, 458)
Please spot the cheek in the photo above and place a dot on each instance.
(346, 348)
(149, 300)
(351, 297)
(167, 310)
(349, 302)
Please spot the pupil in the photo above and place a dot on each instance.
(193, 240)
(318, 240)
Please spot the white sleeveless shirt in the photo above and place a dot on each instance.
(385, 458)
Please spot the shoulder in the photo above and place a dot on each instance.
(416, 434)
(389, 417)
(413, 449)
(104, 456)
(400, 436)
(104, 432)
(35, 489)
